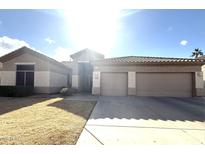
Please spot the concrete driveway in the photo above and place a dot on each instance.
(145, 120)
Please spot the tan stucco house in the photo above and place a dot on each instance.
(90, 72)
(26, 67)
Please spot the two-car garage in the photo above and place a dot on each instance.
(147, 84)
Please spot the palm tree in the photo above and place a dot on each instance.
(197, 53)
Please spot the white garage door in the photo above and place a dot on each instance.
(113, 84)
(164, 84)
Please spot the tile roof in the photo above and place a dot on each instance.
(149, 60)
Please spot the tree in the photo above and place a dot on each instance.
(197, 53)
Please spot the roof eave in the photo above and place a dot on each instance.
(149, 63)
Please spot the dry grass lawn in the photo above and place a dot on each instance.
(42, 120)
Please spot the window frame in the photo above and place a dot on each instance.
(25, 71)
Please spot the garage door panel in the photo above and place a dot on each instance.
(164, 84)
(114, 84)
(163, 93)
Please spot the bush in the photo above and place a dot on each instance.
(67, 91)
(16, 91)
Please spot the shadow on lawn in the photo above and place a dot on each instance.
(8, 104)
(77, 107)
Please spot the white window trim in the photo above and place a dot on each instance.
(83, 61)
(25, 63)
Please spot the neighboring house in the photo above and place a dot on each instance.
(26, 67)
(82, 70)
(90, 72)
(148, 76)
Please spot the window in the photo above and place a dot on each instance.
(25, 67)
(20, 78)
(29, 78)
(25, 75)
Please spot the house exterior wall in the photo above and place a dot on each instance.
(161, 68)
(58, 69)
(41, 81)
(131, 83)
(203, 72)
(57, 81)
(75, 81)
(200, 82)
(75, 74)
(48, 77)
(96, 83)
(40, 65)
(7, 78)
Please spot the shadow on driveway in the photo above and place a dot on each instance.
(155, 108)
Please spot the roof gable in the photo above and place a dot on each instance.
(23, 50)
(86, 52)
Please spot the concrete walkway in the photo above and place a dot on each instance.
(145, 120)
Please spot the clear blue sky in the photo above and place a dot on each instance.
(57, 33)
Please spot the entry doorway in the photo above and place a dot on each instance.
(85, 72)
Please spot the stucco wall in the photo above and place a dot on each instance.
(75, 81)
(96, 79)
(96, 83)
(58, 69)
(75, 73)
(58, 80)
(203, 71)
(200, 82)
(41, 79)
(40, 65)
(49, 82)
(162, 68)
(131, 83)
(7, 78)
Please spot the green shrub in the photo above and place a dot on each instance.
(67, 91)
(16, 91)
